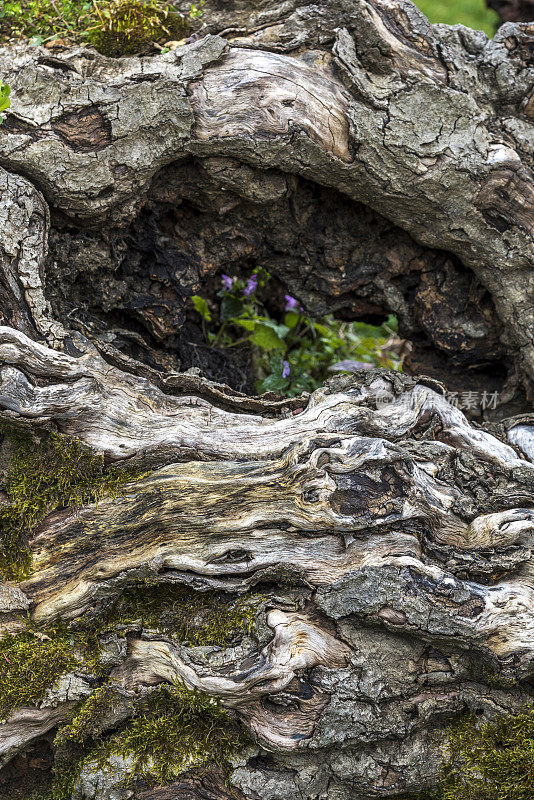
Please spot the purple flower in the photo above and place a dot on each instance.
(286, 370)
(291, 303)
(251, 286)
(192, 38)
(227, 282)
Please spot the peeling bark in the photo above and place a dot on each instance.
(373, 163)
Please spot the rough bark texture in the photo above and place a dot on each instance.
(373, 163)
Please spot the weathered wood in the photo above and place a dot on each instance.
(383, 540)
(357, 500)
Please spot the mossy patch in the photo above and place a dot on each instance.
(491, 761)
(46, 473)
(194, 618)
(30, 664)
(84, 725)
(129, 26)
(173, 730)
(114, 27)
(176, 729)
(487, 761)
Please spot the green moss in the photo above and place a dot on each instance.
(83, 730)
(487, 761)
(129, 26)
(115, 27)
(176, 729)
(491, 761)
(195, 618)
(31, 663)
(46, 473)
(61, 784)
(494, 677)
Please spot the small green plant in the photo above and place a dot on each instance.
(197, 9)
(45, 474)
(292, 353)
(40, 20)
(5, 102)
(30, 664)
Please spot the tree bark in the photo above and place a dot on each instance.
(373, 163)
(413, 141)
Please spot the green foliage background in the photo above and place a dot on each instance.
(472, 13)
(291, 352)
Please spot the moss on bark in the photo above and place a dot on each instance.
(46, 472)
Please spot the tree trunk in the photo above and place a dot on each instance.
(377, 542)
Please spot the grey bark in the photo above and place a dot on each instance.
(397, 534)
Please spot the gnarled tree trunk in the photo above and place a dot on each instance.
(373, 163)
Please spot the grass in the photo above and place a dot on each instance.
(472, 13)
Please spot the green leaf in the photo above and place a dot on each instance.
(281, 330)
(5, 102)
(323, 330)
(202, 307)
(247, 324)
(273, 383)
(291, 319)
(392, 323)
(230, 307)
(266, 338)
